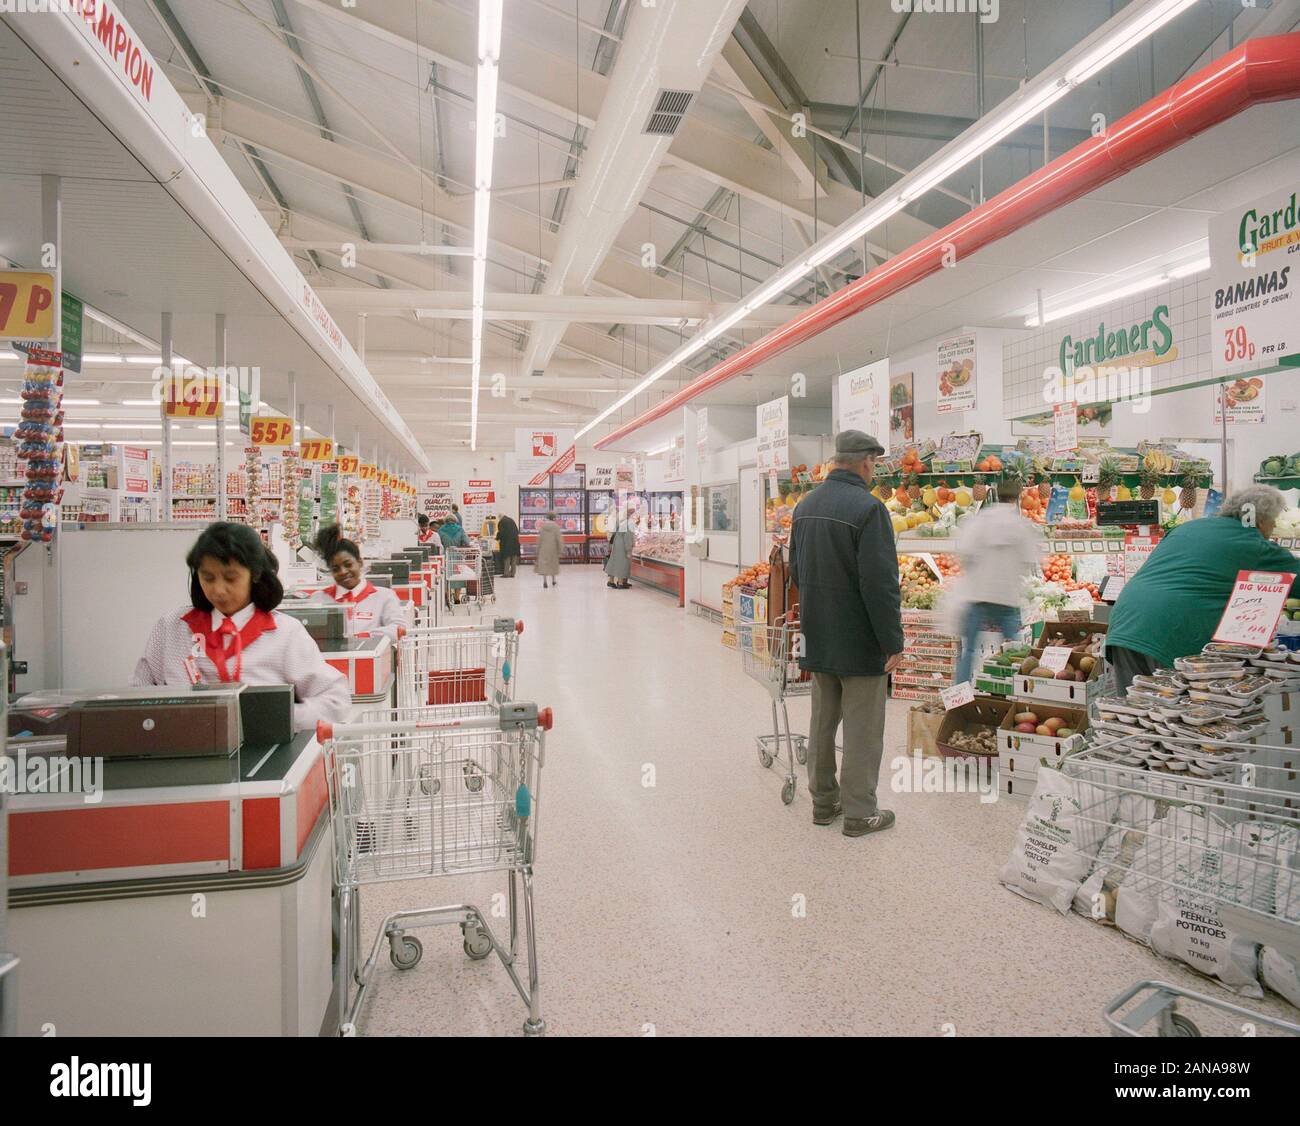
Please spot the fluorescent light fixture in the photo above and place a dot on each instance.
(489, 29)
(102, 358)
(66, 402)
(154, 360)
(659, 450)
(112, 426)
(14, 357)
(1123, 31)
(1187, 269)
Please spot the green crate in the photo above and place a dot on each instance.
(993, 687)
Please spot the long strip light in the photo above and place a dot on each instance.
(1059, 313)
(485, 108)
(1128, 30)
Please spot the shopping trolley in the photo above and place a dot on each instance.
(487, 572)
(404, 807)
(769, 654)
(1218, 847)
(463, 574)
(450, 665)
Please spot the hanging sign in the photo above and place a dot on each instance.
(26, 305)
(1254, 608)
(348, 465)
(601, 476)
(368, 472)
(270, 430)
(316, 449)
(436, 498)
(862, 398)
(1065, 428)
(137, 470)
(1254, 309)
(70, 325)
(1245, 401)
(774, 434)
(702, 433)
(561, 464)
(192, 396)
(955, 363)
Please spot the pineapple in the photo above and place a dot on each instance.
(1107, 477)
(886, 490)
(1187, 498)
(1148, 478)
(979, 491)
(1042, 475)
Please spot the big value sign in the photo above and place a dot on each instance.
(1254, 607)
(1255, 315)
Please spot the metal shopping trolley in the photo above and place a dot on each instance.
(769, 655)
(452, 665)
(403, 808)
(487, 572)
(463, 574)
(1202, 839)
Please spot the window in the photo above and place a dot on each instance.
(722, 508)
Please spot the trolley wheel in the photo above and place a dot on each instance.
(787, 791)
(801, 753)
(764, 756)
(429, 786)
(477, 944)
(1179, 1026)
(406, 952)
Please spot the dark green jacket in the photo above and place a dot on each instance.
(1171, 607)
(843, 559)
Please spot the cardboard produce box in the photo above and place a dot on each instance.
(1074, 693)
(1030, 748)
(969, 718)
(923, 731)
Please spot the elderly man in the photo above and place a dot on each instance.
(843, 560)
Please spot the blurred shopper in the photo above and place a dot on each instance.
(998, 549)
(455, 514)
(843, 561)
(508, 538)
(618, 565)
(1171, 607)
(550, 544)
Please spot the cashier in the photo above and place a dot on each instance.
(426, 533)
(234, 634)
(371, 610)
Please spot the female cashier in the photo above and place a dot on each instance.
(233, 633)
(370, 609)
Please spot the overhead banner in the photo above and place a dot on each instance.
(536, 450)
(1255, 311)
(774, 434)
(435, 497)
(478, 501)
(561, 464)
(1245, 401)
(902, 402)
(955, 365)
(862, 398)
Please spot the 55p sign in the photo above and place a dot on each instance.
(271, 430)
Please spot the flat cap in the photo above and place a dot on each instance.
(856, 442)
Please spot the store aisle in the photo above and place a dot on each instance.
(673, 907)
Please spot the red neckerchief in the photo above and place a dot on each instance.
(425, 537)
(355, 595)
(200, 622)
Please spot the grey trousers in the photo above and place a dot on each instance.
(510, 563)
(860, 702)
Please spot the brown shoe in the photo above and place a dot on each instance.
(824, 816)
(861, 826)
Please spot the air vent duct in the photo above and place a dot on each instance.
(670, 107)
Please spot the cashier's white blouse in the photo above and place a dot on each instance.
(252, 647)
(371, 610)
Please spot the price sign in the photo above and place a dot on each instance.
(1065, 427)
(26, 305)
(317, 449)
(1137, 549)
(192, 397)
(348, 466)
(1055, 657)
(369, 472)
(1079, 600)
(957, 695)
(1254, 608)
(270, 430)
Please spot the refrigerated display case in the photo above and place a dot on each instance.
(564, 500)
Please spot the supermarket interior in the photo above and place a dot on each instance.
(848, 450)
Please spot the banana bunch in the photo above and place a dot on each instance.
(1158, 462)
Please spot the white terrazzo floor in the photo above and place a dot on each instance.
(670, 908)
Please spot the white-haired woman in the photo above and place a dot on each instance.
(1171, 607)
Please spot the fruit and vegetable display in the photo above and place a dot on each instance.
(1085, 663)
(1058, 568)
(1052, 727)
(919, 584)
(1291, 609)
(1280, 465)
(754, 577)
(980, 741)
(949, 565)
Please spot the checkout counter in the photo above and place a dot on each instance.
(190, 894)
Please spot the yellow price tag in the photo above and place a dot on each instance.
(26, 305)
(348, 465)
(317, 449)
(270, 430)
(369, 472)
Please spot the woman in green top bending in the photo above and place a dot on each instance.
(1171, 607)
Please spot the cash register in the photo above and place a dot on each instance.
(323, 622)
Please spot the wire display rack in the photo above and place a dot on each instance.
(769, 654)
(1207, 866)
(414, 797)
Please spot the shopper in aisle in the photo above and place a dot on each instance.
(371, 610)
(455, 514)
(550, 545)
(451, 533)
(843, 561)
(1171, 607)
(618, 564)
(998, 549)
(508, 538)
(234, 634)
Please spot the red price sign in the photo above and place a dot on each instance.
(270, 430)
(369, 472)
(1237, 345)
(192, 397)
(1253, 610)
(317, 449)
(348, 466)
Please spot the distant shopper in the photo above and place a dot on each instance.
(455, 514)
(618, 530)
(452, 534)
(371, 610)
(550, 545)
(233, 634)
(999, 549)
(508, 539)
(843, 561)
(1171, 607)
